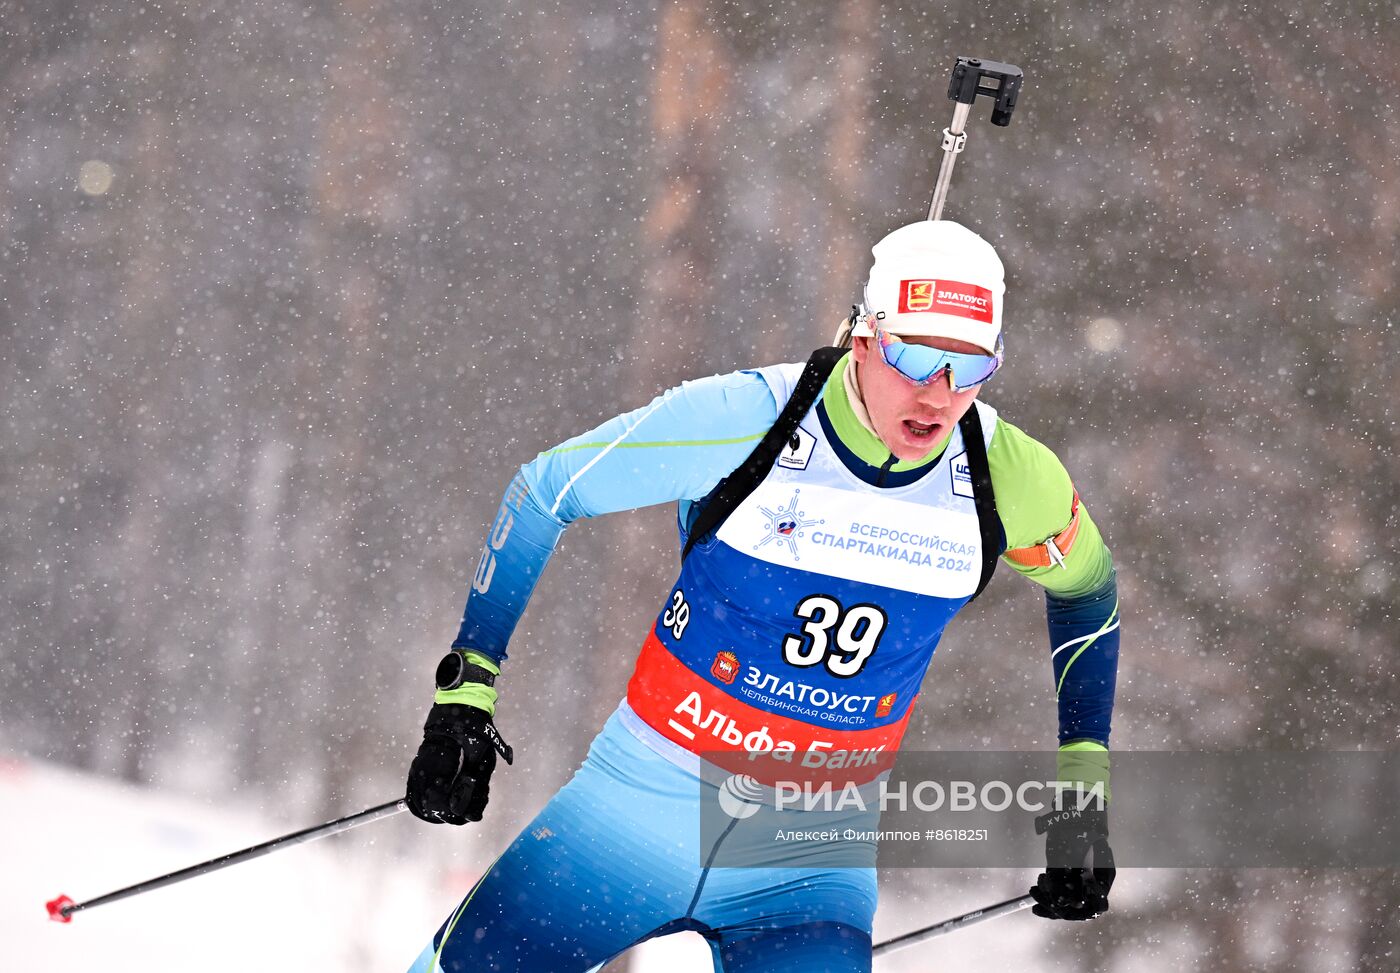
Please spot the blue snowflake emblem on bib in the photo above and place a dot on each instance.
(785, 525)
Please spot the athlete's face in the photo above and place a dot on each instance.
(910, 419)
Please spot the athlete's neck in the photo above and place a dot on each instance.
(845, 408)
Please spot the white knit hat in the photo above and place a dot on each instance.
(936, 278)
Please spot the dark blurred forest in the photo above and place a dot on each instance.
(288, 290)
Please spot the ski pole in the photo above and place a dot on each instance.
(62, 908)
(954, 924)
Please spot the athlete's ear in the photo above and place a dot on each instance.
(860, 349)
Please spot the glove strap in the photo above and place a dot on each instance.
(503, 748)
(1066, 816)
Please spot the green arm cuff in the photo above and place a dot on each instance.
(1084, 763)
(474, 693)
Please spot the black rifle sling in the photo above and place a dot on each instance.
(988, 520)
(736, 487)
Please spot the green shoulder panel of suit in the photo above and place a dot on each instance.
(1034, 493)
(1035, 498)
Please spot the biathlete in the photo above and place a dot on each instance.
(802, 622)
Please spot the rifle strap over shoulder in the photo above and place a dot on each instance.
(988, 520)
(736, 487)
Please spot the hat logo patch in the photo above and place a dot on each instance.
(915, 295)
(953, 297)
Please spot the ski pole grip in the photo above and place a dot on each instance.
(1001, 82)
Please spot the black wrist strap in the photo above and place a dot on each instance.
(469, 672)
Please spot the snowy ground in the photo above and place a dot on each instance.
(312, 907)
(347, 904)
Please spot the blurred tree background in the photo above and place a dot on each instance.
(289, 289)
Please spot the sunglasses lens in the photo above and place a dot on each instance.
(917, 363)
(921, 364)
(974, 371)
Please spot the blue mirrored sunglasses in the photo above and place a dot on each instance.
(922, 364)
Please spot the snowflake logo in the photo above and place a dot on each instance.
(785, 525)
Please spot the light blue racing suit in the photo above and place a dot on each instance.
(804, 625)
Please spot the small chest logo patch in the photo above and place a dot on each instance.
(961, 473)
(798, 451)
(785, 525)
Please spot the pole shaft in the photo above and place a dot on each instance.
(945, 171)
(256, 851)
(954, 924)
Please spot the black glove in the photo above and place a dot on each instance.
(1079, 865)
(451, 776)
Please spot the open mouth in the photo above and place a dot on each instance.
(921, 430)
